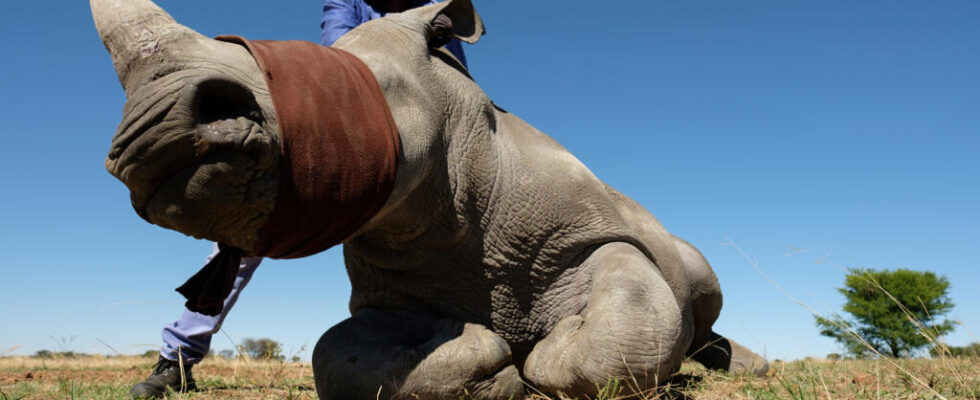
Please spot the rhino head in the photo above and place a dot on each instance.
(199, 143)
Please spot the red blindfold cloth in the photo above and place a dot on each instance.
(339, 159)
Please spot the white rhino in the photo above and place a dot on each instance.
(498, 263)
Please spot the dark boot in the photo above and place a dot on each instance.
(165, 374)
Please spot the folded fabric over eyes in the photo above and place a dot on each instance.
(340, 150)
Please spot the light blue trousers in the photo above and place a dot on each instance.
(190, 336)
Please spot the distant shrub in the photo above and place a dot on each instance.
(56, 354)
(227, 354)
(266, 349)
(970, 350)
(833, 356)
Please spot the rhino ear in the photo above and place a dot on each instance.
(455, 16)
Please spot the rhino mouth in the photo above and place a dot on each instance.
(175, 124)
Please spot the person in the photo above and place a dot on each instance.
(340, 16)
(187, 340)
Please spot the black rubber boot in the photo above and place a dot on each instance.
(165, 374)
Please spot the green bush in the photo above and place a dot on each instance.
(970, 350)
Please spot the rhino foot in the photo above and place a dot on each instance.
(720, 353)
(402, 355)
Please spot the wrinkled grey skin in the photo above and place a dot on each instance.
(499, 261)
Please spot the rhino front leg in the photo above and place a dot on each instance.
(709, 348)
(378, 354)
(631, 328)
(718, 352)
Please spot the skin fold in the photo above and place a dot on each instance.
(499, 261)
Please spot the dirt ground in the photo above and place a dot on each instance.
(96, 377)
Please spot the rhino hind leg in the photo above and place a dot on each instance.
(402, 355)
(720, 353)
(709, 348)
(630, 329)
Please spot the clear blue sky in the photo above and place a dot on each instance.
(848, 129)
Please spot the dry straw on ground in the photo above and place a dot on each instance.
(104, 378)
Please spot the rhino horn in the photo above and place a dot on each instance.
(137, 34)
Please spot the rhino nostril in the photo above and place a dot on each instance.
(221, 99)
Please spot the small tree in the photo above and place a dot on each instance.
(894, 312)
(262, 348)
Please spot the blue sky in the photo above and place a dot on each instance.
(847, 129)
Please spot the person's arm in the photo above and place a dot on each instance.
(339, 17)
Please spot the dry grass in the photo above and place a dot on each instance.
(96, 377)
(849, 379)
(111, 377)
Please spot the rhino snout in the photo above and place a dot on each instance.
(174, 124)
(191, 147)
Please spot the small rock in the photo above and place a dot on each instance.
(30, 375)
